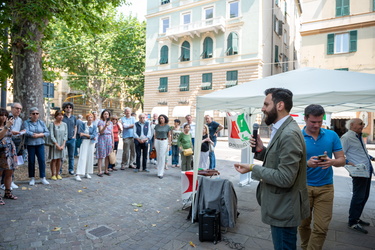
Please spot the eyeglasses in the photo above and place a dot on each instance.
(35, 113)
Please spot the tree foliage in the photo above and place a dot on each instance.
(27, 22)
(106, 64)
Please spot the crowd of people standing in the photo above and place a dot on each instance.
(94, 141)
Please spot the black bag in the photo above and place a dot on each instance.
(209, 225)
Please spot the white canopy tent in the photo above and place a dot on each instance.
(336, 91)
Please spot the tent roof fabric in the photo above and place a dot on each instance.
(336, 91)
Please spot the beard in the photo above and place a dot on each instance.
(270, 117)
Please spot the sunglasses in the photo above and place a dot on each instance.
(35, 113)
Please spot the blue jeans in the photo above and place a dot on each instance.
(175, 155)
(212, 158)
(38, 151)
(361, 192)
(78, 145)
(284, 238)
(71, 146)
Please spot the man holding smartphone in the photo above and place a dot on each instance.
(321, 144)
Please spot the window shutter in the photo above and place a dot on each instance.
(345, 7)
(338, 7)
(229, 44)
(164, 55)
(276, 53)
(210, 44)
(280, 31)
(353, 41)
(330, 44)
(274, 23)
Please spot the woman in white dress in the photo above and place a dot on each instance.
(88, 133)
(59, 135)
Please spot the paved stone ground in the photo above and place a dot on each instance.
(105, 204)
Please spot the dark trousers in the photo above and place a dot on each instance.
(361, 192)
(141, 149)
(71, 146)
(38, 151)
(284, 238)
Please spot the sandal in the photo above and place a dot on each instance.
(1, 202)
(8, 195)
(100, 175)
(107, 173)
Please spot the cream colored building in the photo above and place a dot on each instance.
(195, 47)
(340, 35)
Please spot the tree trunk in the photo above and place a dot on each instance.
(27, 68)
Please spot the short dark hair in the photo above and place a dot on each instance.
(5, 112)
(281, 95)
(67, 104)
(166, 120)
(177, 120)
(58, 112)
(106, 110)
(186, 124)
(314, 110)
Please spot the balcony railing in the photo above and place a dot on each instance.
(214, 24)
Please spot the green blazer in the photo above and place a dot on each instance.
(282, 190)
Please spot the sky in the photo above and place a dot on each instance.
(137, 8)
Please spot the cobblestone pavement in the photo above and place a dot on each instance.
(102, 213)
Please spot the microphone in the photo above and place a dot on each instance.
(255, 136)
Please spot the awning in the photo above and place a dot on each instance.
(181, 111)
(160, 110)
(343, 115)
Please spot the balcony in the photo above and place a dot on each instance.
(195, 29)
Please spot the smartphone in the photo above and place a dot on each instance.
(321, 156)
(108, 119)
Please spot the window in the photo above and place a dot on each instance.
(185, 52)
(231, 78)
(207, 48)
(342, 7)
(276, 54)
(165, 23)
(232, 44)
(373, 5)
(342, 43)
(164, 1)
(277, 25)
(163, 84)
(233, 9)
(186, 19)
(285, 63)
(209, 15)
(184, 83)
(164, 55)
(206, 81)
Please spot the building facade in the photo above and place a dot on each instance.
(340, 35)
(195, 47)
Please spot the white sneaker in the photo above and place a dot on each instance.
(32, 181)
(44, 181)
(87, 176)
(78, 178)
(13, 185)
(3, 187)
(152, 161)
(155, 162)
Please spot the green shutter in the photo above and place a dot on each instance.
(276, 53)
(232, 75)
(353, 41)
(330, 44)
(235, 43)
(164, 55)
(230, 44)
(207, 77)
(163, 84)
(207, 47)
(345, 7)
(338, 7)
(373, 5)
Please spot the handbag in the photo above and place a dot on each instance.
(153, 154)
(212, 147)
(112, 157)
(48, 140)
(188, 152)
(208, 172)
